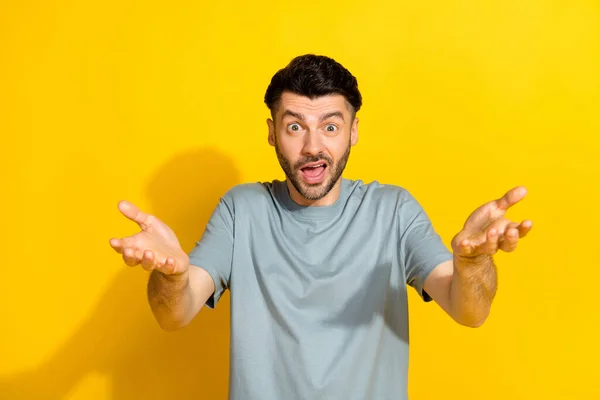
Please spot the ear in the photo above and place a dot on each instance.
(271, 126)
(354, 132)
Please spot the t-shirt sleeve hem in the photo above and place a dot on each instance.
(424, 273)
(212, 301)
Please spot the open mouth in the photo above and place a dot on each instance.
(314, 172)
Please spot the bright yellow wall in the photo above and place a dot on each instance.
(162, 105)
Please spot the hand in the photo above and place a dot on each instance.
(486, 230)
(156, 247)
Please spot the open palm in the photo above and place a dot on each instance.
(155, 247)
(487, 230)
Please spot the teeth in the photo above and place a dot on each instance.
(315, 166)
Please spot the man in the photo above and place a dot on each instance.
(318, 265)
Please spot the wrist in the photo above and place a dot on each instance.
(469, 263)
(474, 259)
(174, 278)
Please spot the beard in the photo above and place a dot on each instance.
(318, 190)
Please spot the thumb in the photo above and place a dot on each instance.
(511, 198)
(133, 213)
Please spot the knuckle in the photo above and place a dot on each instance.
(147, 266)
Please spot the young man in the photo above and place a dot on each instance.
(318, 265)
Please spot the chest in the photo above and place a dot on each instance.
(322, 267)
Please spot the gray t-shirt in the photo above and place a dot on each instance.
(318, 294)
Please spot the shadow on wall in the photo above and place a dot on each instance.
(121, 339)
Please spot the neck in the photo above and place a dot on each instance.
(327, 200)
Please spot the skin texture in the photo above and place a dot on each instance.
(308, 131)
(466, 286)
(176, 292)
(322, 131)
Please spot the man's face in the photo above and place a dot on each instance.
(312, 139)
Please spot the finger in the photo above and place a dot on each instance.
(511, 198)
(133, 213)
(496, 229)
(508, 227)
(130, 257)
(501, 225)
(525, 227)
(491, 243)
(116, 245)
(148, 261)
(510, 240)
(487, 243)
(502, 229)
(169, 266)
(465, 247)
(125, 243)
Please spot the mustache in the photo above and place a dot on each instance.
(312, 159)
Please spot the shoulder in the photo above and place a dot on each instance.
(384, 197)
(380, 192)
(250, 193)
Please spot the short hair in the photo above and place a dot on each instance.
(313, 76)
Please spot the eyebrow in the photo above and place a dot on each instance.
(332, 115)
(323, 117)
(292, 114)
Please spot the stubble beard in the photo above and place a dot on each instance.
(315, 191)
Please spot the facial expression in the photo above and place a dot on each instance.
(312, 139)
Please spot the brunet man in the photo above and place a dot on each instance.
(318, 265)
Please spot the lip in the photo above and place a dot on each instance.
(314, 164)
(312, 180)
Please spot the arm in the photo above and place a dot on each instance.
(464, 289)
(177, 290)
(466, 286)
(176, 299)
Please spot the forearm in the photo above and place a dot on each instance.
(472, 289)
(171, 299)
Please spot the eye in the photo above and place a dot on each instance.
(294, 127)
(331, 128)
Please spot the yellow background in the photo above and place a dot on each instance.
(161, 103)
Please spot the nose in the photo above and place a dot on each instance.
(313, 144)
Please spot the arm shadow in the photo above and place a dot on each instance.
(120, 339)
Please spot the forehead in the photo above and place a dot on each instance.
(312, 107)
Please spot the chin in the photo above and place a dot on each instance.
(313, 194)
(314, 191)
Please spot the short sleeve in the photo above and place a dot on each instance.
(214, 251)
(421, 248)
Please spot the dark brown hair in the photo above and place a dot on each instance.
(313, 76)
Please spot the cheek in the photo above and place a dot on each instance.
(289, 147)
(338, 147)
